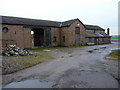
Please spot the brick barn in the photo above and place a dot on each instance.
(97, 35)
(28, 33)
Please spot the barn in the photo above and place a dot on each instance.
(96, 35)
(28, 33)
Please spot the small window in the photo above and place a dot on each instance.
(15, 32)
(6, 44)
(5, 29)
(77, 30)
(54, 39)
(63, 38)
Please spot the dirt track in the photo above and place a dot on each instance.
(83, 67)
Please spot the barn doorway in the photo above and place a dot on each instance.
(38, 37)
(41, 37)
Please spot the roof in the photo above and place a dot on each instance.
(36, 22)
(68, 23)
(97, 34)
(93, 27)
(26, 21)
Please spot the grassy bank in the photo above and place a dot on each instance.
(114, 55)
(13, 64)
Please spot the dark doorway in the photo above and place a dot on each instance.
(41, 36)
(38, 37)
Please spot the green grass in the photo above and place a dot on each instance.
(115, 37)
(115, 55)
(13, 64)
(60, 47)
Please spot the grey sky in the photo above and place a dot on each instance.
(97, 12)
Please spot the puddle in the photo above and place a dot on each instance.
(30, 84)
(113, 49)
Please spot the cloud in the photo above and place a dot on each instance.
(100, 12)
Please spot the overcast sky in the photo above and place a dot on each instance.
(95, 12)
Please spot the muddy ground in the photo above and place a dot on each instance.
(83, 67)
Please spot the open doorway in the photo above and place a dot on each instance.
(37, 37)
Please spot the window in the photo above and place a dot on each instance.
(54, 39)
(5, 29)
(77, 30)
(6, 44)
(63, 38)
(15, 32)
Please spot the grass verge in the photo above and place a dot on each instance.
(114, 55)
(14, 64)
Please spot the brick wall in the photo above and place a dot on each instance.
(27, 38)
(13, 36)
(16, 35)
(64, 35)
(72, 33)
(55, 32)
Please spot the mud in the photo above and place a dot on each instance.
(74, 68)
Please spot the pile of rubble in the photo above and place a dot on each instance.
(13, 50)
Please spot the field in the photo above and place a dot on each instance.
(115, 38)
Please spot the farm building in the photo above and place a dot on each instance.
(97, 35)
(27, 33)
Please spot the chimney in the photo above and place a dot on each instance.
(108, 31)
